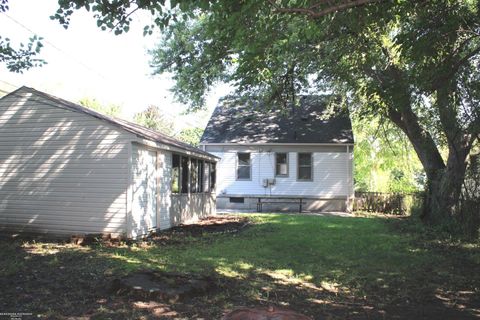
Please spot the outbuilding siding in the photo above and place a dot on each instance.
(61, 171)
(164, 195)
(145, 190)
(191, 207)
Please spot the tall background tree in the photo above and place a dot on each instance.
(153, 118)
(384, 159)
(108, 109)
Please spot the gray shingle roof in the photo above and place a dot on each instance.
(248, 122)
(131, 127)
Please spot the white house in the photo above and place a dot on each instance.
(300, 158)
(65, 169)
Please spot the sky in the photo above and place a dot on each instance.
(84, 61)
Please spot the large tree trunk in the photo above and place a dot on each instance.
(444, 181)
(445, 186)
(443, 191)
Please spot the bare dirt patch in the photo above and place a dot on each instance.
(208, 226)
(216, 224)
(160, 285)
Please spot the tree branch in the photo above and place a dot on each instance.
(313, 13)
(440, 81)
(400, 112)
(124, 19)
(463, 60)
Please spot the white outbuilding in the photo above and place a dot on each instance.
(66, 169)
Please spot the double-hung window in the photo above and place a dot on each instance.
(281, 164)
(244, 166)
(304, 167)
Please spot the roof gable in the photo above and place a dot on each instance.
(249, 122)
(128, 126)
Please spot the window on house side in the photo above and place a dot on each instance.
(193, 175)
(236, 200)
(185, 173)
(281, 164)
(200, 176)
(206, 183)
(213, 176)
(175, 173)
(243, 166)
(304, 166)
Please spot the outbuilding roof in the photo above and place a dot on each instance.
(236, 121)
(131, 127)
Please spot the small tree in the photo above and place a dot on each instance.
(109, 109)
(153, 118)
(191, 136)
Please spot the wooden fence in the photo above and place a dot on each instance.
(390, 203)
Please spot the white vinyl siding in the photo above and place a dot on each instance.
(144, 189)
(331, 171)
(164, 192)
(61, 171)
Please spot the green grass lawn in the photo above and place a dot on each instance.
(325, 267)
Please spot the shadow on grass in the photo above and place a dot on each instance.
(356, 268)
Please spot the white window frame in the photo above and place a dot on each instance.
(311, 166)
(237, 165)
(288, 164)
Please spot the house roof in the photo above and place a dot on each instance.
(131, 127)
(250, 122)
